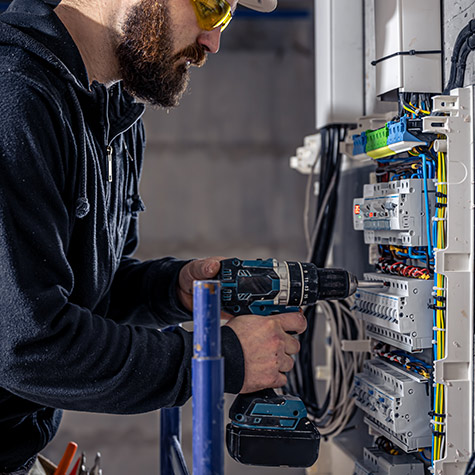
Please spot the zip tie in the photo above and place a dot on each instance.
(433, 413)
(440, 183)
(433, 422)
(438, 219)
(439, 329)
(436, 307)
(439, 288)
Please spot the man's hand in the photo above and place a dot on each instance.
(267, 348)
(201, 269)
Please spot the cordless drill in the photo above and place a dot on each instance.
(269, 429)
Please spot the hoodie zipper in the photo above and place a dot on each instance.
(110, 151)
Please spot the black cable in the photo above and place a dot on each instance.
(471, 466)
(302, 380)
(464, 44)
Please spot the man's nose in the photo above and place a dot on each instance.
(210, 40)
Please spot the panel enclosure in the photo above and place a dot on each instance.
(398, 32)
(339, 55)
(456, 263)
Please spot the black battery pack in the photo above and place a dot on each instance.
(274, 447)
(271, 430)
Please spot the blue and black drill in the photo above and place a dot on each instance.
(266, 428)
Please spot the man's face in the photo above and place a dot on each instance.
(150, 66)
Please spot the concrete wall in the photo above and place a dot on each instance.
(217, 179)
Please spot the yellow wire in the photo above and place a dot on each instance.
(418, 109)
(440, 314)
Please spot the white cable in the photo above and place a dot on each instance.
(347, 364)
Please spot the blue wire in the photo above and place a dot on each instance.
(414, 256)
(426, 199)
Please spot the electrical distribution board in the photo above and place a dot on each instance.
(401, 352)
(420, 214)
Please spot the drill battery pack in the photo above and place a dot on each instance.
(272, 431)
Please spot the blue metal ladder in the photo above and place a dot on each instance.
(207, 391)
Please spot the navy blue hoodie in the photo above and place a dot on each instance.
(78, 315)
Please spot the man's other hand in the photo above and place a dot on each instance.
(267, 348)
(201, 269)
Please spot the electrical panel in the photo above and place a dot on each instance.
(411, 335)
(420, 214)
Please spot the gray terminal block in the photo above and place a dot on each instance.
(394, 212)
(377, 462)
(397, 314)
(396, 403)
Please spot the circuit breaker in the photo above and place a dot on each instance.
(398, 314)
(394, 212)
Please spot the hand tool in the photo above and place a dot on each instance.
(269, 429)
(66, 459)
(96, 468)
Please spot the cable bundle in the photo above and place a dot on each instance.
(464, 44)
(332, 412)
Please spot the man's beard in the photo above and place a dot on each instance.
(149, 69)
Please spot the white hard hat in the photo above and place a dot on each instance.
(260, 5)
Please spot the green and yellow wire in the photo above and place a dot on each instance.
(439, 403)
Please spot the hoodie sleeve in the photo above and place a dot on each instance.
(54, 351)
(144, 293)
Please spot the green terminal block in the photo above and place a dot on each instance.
(377, 140)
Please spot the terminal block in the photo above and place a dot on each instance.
(377, 462)
(399, 313)
(394, 137)
(396, 403)
(394, 212)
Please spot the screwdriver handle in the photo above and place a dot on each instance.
(66, 459)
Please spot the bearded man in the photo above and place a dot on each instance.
(79, 316)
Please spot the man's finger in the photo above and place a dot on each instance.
(287, 364)
(292, 346)
(293, 322)
(204, 268)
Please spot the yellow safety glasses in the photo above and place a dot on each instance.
(212, 14)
